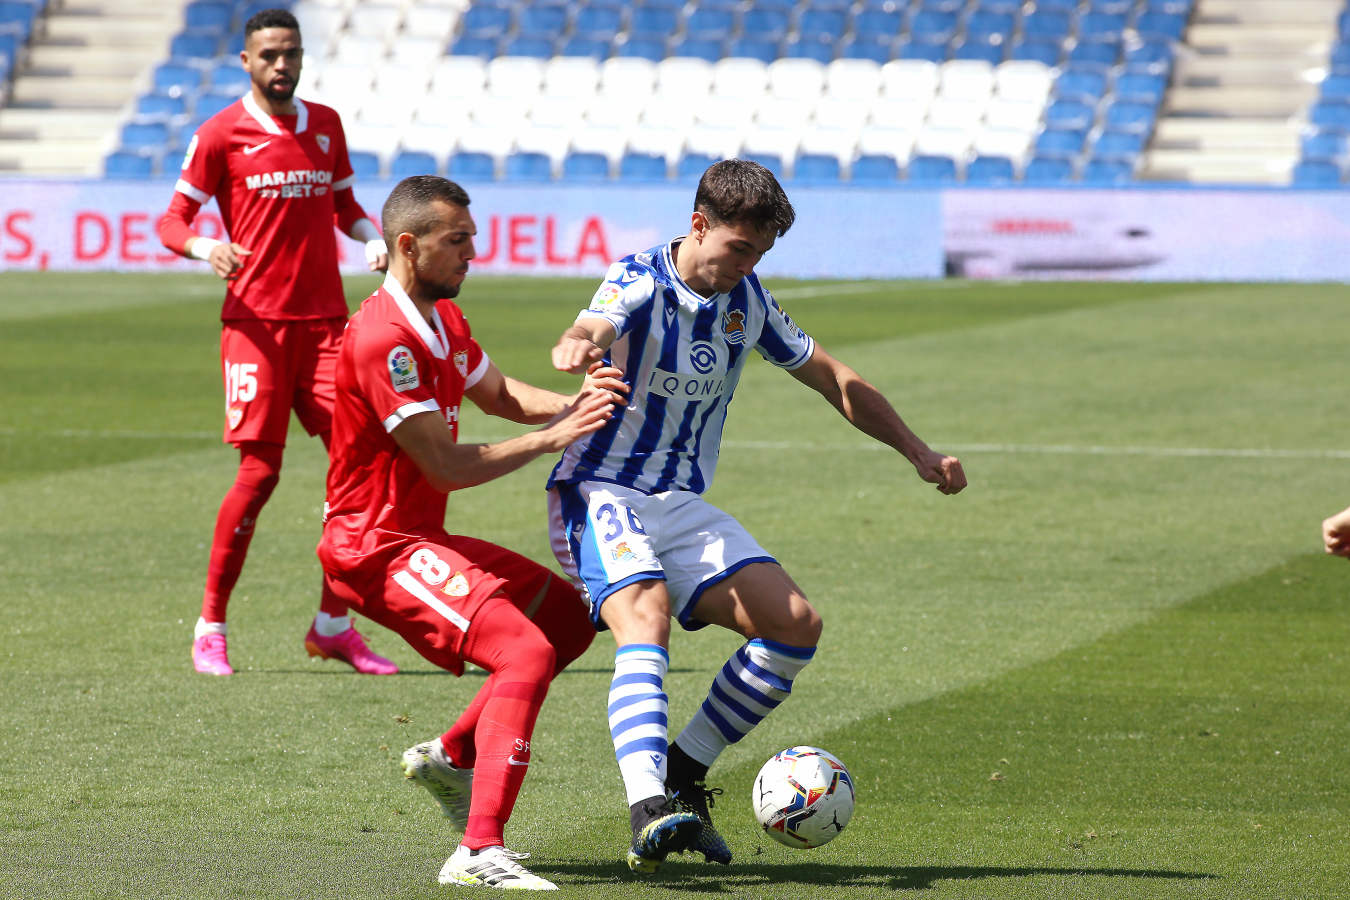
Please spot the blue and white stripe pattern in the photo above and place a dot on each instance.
(751, 684)
(637, 719)
(682, 354)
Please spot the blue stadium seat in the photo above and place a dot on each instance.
(710, 50)
(162, 106)
(484, 21)
(1182, 7)
(228, 76)
(364, 163)
(212, 102)
(10, 43)
(1060, 143)
(1107, 172)
(946, 6)
(146, 136)
(642, 48)
(18, 17)
(984, 21)
(989, 48)
(209, 14)
(1047, 23)
(413, 162)
(1316, 173)
(126, 164)
(542, 20)
(759, 23)
(692, 166)
(1098, 25)
(815, 22)
(471, 166)
(933, 25)
(527, 166)
(1057, 5)
(1040, 50)
(820, 48)
(1323, 145)
(482, 47)
(529, 45)
(176, 79)
(917, 48)
(1138, 87)
(931, 170)
(877, 49)
(874, 169)
(588, 168)
(817, 168)
(598, 22)
(653, 22)
(750, 48)
(1340, 59)
(189, 46)
(709, 24)
(888, 23)
(1330, 115)
(841, 5)
(1085, 85)
(1112, 7)
(1335, 87)
(1136, 117)
(1069, 114)
(642, 167)
(1001, 6)
(1118, 145)
(595, 48)
(990, 170)
(771, 161)
(183, 133)
(1103, 54)
(1042, 171)
(1165, 25)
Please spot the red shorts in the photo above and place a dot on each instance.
(429, 590)
(273, 366)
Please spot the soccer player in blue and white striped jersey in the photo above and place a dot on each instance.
(627, 517)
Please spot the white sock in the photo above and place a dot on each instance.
(637, 719)
(205, 627)
(331, 626)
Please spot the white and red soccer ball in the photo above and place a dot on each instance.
(803, 797)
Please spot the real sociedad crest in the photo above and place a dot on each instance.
(733, 326)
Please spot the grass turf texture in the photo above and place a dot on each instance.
(1115, 667)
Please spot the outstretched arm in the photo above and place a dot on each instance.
(871, 413)
(506, 397)
(583, 344)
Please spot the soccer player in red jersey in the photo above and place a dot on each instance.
(279, 171)
(407, 361)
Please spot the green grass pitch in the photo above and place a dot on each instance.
(1117, 666)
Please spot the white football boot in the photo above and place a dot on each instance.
(491, 867)
(451, 787)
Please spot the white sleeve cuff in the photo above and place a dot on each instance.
(407, 411)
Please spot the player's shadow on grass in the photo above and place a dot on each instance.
(742, 877)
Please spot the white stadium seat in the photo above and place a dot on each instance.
(570, 76)
(853, 79)
(627, 77)
(1002, 142)
(740, 77)
(459, 76)
(936, 141)
(909, 79)
(684, 75)
(515, 76)
(375, 19)
(431, 22)
(1023, 80)
(948, 112)
(803, 79)
(1020, 115)
(897, 143)
(841, 143)
(847, 113)
(905, 114)
(967, 79)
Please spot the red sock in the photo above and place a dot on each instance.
(259, 469)
(522, 664)
(330, 602)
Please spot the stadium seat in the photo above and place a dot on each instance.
(923, 49)
(1060, 143)
(1323, 145)
(485, 48)
(161, 106)
(212, 102)
(771, 161)
(817, 168)
(875, 49)
(1043, 171)
(1149, 56)
(653, 22)
(1118, 145)
(1159, 24)
(822, 23)
(413, 162)
(871, 169)
(878, 23)
(128, 164)
(1135, 117)
(585, 47)
(1083, 85)
(990, 170)
(928, 170)
(1335, 87)
(364, 163)
(1139, 87)
(176, 79)
(692, 166)
(228, 77)
(933, 25)
(598, 21)
(469, 165)
(189, 47)
(1340, 59)
(746, 47)
(18, 16)
(1315, 173)
(1069, 114)
(1107, 172)
(642, 167)
(1094, 25)
(983, 21)
(1047, 52)
(706, 23)
(541, 20)
(649, 48)
(145, 136)
(1055, 25)
(585, 167)
(528, 166)
(985, 49)
(1006, 142)
(485, 21)
(1025, 80)
(1101, 54)
(208, 14)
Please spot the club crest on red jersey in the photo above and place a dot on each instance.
(323, 142)
(462, 362)
(403, 369)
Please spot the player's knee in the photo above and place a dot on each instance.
(806, 626)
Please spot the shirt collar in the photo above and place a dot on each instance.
(437, 341)
(268, 123)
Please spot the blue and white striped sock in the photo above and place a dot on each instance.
(756, 679)
(637, 719)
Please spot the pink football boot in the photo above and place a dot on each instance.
(349, 648)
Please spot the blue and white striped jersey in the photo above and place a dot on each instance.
(682, 354)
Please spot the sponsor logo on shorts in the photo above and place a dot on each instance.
(403, 369)
(733, 326)
(457, 586)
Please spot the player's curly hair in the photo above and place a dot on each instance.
(741, 191)
(408, 208)
(270, 18)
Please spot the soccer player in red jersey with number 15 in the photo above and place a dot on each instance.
(279, 170)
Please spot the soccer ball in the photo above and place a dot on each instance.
(803, 797)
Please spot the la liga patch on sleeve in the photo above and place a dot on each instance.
(403, 369)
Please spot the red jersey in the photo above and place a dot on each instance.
(391, 366)
(275, 178)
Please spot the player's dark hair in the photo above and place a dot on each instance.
(408, 208)
(740, 191)
(270, 18)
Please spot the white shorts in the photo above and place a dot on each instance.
(607, 537)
